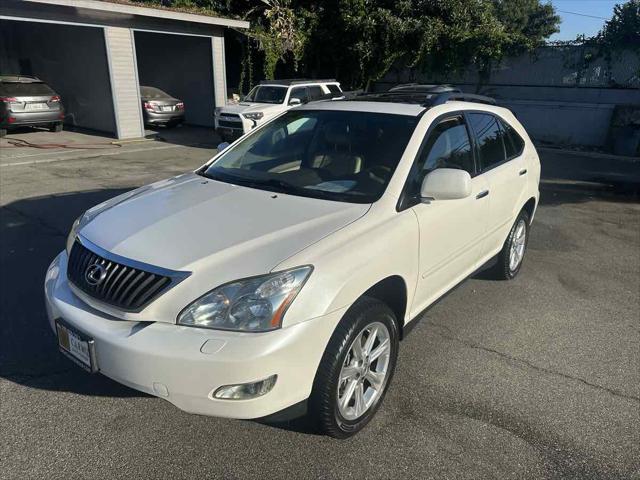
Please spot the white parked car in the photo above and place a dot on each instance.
(267, 100)
(284, 273)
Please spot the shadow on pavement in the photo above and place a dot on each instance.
(186, 135)
(32, 232)
(574, 178)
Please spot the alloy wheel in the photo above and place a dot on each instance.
(518, 244)
(364, 372)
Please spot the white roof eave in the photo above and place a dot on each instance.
(126, 9)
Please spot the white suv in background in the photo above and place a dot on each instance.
(283, 274)
(268, 99)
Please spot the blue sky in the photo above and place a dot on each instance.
(573, 25)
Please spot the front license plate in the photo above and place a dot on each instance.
(76, 346)
(37, 106)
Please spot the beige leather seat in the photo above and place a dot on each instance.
(336, 156)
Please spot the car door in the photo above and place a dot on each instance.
(451, 231)
(504, 174)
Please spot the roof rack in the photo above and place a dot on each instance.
(425, 95)
(424, 88)
(462, 97)
(294, 81)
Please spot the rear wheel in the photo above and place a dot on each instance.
(3, 132)
(512, 254)
(56, 127)
(356, 369)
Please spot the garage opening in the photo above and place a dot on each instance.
(181, 66)
(72, 60)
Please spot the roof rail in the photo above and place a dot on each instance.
(423, 88)
(461, 97)
(424, 95)
(295, 81)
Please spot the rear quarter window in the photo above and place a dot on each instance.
(333, 88)
(513, 142)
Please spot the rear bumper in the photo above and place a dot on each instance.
(164, 117)
(187, 365)
(32, 118)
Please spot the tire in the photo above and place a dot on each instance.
(339, 359)
(3, 132)
(506, 268)
(56, 127)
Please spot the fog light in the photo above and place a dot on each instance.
(246, 391)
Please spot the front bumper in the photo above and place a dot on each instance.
(186, 365)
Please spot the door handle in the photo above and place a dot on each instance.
(523, 172)
(482, 194)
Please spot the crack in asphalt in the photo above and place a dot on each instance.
(474, 345)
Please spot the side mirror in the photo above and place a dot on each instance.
(446, 184)
(295, 101)
(222, 146)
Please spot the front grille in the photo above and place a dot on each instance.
(228, 124)
(233, 116)
(120, 285)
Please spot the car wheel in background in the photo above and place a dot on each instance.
(56, 127)
(3, 132)
(512, 255)
(356, 369)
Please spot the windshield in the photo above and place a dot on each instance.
(266, 94)
(335, 155)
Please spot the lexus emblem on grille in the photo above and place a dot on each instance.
(95, 274)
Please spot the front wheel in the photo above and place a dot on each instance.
(356, 369)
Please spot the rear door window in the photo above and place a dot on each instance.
(25, 89)
(301, 93)
(316, 92)
(489, 139)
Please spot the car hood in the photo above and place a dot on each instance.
(191, 223)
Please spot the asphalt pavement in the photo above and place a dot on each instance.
(534, 378)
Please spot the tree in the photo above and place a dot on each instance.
(358, 41)
(623, 30)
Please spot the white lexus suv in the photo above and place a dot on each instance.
(269, 99)
(282, 274)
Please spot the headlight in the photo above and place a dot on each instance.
(255, 304)
(253, 115)
(73, 233)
